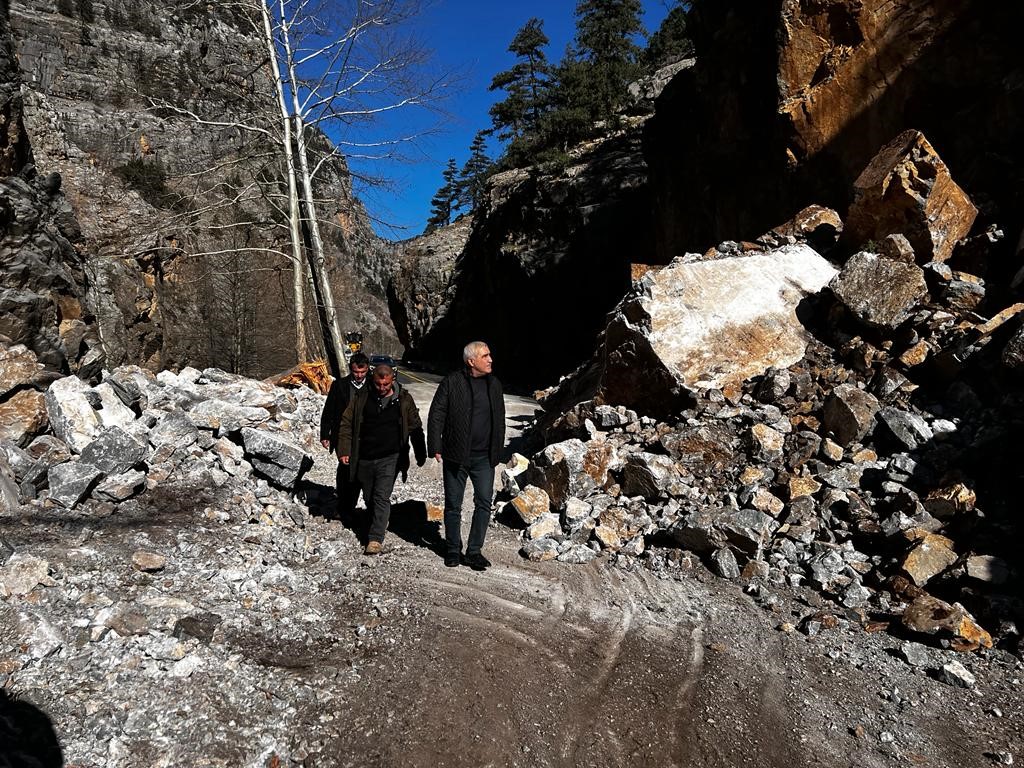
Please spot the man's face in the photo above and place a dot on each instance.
(481, 364)
(384, 384)
(358, 372)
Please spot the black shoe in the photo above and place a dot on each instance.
(477, 562)
(452, 559)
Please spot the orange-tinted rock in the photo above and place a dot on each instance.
(932, 555)
(907, 189)
(23, 417)
(931, 616)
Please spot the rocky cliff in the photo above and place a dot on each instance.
(169, 289)
(789, 100)
(535, 271)
(42, 290)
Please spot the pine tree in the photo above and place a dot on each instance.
(671, 42)
(604, 40)
(526, 84)
(445, 200)
(473, 177)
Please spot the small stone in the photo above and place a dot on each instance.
(831, 450)
(540, 550)
(22, 573)
(988, 568)
(723, 563)
(849, 413)
(956, 674)
(803, 486)
(71, 482)
(544, 526)
(915, 654)
(148, 562)
(932, 555)
(531, 504)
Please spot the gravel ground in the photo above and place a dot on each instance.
(269, 643)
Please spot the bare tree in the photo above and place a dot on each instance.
(336, 69)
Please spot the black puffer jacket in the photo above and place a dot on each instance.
(448, 423)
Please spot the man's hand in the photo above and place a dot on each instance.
(344, 460)
(326, 444)
(437, 457)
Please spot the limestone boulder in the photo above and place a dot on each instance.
(532, 504)
(698, 325)
(571, 468)
(72, 481)
(73, 417)
(114, 451)
(279, 459)
(930, 556)
(880, 292)
(907, 189)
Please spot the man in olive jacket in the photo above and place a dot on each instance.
(373, 442)
(466, 429)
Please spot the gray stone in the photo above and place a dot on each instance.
(540, 550)
(120, 487)
(10, 501)
(879, 292)
(201, 626)
(607, 416)
(6, 550)
(22, 573)
(723, 563)
(774, 385)
(280, 460)
(747, 529)
(113, 451)
(915, 654)
(647, 475)
(696, 531)
(907, 427)
(956, 674)
(577, 554)
(226, 417)
(72, 481)
(175, 428)
(849, 413)
(988, 568)
(72, 416)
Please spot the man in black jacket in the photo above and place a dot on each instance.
(466, 429)
(338, 397)
(373, 444)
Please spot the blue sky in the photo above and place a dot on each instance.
(469, 37)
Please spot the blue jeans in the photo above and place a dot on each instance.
(377, 476)
(479, 470)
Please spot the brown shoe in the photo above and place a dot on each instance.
(373, 548)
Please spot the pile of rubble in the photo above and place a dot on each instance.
(77, 450)
(804, 424)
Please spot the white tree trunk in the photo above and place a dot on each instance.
(294, 212)
(317, 259)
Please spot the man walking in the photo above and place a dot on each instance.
(466, 429)
(373, 444)
(338, 398)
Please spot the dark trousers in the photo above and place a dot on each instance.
(377, 476)
(479, 470)
(347, 492)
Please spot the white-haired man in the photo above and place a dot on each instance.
(466, 431)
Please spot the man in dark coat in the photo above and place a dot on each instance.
(373, 444)
(338, 397)
(466, 429)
